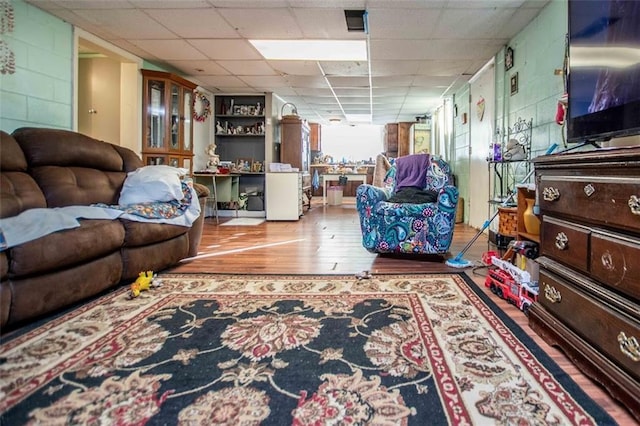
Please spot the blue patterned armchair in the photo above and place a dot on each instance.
(426, 228)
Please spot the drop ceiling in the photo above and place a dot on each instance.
(420, 50)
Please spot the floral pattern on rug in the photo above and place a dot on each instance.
(274, 350)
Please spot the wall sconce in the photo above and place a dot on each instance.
(294, 110)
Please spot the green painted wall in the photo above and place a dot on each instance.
(539, 51)
(40, 92)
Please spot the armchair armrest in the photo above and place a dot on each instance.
(370, 195)
(448, 197)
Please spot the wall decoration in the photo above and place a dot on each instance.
(7, 58)
(508, 59)
(514, 84)
(201, 113)
(480, 107)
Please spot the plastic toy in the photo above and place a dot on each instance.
(512, 284)
(143, 283)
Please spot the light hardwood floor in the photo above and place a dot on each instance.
(327, 240)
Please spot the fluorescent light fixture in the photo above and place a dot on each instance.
(358, 118)
(312, 50)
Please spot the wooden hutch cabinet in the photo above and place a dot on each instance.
(294, 147)
(391, 139)
(316, 136)
(167, 135)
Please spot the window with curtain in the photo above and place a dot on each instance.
(352, 143)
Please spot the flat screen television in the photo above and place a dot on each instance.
(604, 70)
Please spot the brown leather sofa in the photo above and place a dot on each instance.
(46, 168)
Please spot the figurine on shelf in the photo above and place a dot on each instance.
(514, 152)
(214, 159)
(219, 129)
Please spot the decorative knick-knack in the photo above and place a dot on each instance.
(531, 221)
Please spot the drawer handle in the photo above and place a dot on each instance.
(589, 190)
(634, 204)
(629, 346)
(562, 241)
(550, 194)
(552, 295)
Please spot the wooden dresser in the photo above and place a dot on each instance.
(589, 302)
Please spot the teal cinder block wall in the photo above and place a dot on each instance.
(40, 91)
(539, 52)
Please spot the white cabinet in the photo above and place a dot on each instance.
(284, 196)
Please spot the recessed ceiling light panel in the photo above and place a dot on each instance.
(312, 50)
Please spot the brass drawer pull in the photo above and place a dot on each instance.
(589, 190)
(551, 294)
(629, 346)
(550, 194)
(634, 204)
(562, 241)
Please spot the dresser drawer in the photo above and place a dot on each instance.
(565, 242)
(615, 261)
(608, 330)
(613, 201)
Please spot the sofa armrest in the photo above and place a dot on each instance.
(201, 190)
(195, 233)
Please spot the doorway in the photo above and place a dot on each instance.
(108, 92)
(481, 117)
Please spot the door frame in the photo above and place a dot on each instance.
(481, 134)
(130, 86)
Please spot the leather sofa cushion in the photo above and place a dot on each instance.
(18, 190)
(39, 295)
(11, 156)
(69, 186)
(4, 265)
(65, 148)
(74, 169)
(60, 250)
(144, 233)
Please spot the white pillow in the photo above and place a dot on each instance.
(152, 183)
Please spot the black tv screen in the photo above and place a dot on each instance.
(604, 69)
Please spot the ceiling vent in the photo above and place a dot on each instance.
(355, 20)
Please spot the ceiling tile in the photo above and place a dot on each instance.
(169, 49)
(296, 67)
(277, 23)
(220, 49)
(206, 67)
(194, 23)
(126, 23)
(242, 68)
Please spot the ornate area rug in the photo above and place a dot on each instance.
(296, 350)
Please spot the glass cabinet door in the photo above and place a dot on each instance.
(175, 116)
(155, 115)
(186, 120)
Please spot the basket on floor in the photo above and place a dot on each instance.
(508, 221)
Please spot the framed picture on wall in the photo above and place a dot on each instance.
(514, 84)
(508, 59)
